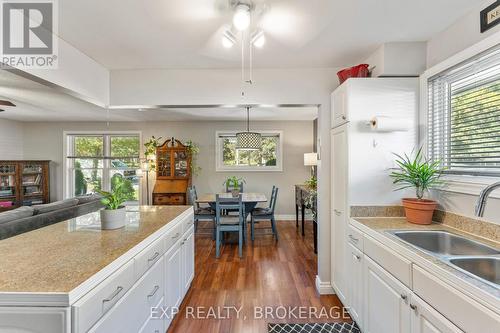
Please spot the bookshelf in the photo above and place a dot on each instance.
(23, 183)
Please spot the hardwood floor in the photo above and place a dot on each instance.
(272, 276)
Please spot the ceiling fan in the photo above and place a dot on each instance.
(4, 102)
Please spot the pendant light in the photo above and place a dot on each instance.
(248, 140)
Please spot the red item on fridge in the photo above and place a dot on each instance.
(356, 71)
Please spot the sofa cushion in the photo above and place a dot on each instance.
(83, 199)
(16, 214)
(45, 208)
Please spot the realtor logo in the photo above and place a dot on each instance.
(29, 36)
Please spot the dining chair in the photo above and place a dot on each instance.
(228, 223)
(200, 213)
(259, 214)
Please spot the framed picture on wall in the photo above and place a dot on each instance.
(490, 16)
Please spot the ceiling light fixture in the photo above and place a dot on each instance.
(5, 103)
(228, 39)
(259, 39)
(248, 140)
(241, 18)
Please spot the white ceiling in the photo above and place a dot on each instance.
(129, 34)
(37, 102)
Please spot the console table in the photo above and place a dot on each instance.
(301, 194)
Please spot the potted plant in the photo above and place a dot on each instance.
(312, 183)
(193, 150)
(114, 214)
(233, 184)
(150, 151)
(421, 174)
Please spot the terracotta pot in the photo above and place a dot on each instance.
(419, 211)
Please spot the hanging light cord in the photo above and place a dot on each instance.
(248, 119)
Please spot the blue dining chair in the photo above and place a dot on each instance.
(200, 213)
(259, 214)
(228, 223)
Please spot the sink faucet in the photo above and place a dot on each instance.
(483, 197)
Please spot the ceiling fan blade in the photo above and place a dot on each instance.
(213, 47)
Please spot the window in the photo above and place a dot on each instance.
(269, 158)
(95, 161)
(464, 116)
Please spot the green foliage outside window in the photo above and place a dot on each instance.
(264, 157)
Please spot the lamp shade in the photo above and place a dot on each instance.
(310, 159)
(248, 141)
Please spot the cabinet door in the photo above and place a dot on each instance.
(35, 320)
(339, 106)
(188, 259)
(355, 273)
(387, 307)
(173, 273)
(425, 319)
(339, 206)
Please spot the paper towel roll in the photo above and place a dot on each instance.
(387, 124)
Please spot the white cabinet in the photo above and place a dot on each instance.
(187, 254)
(425, 319)
(355, 296)
(339, 213)
(386, 301)
(173, 269)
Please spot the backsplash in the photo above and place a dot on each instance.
(377, 211)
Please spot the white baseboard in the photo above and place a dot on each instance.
(290, 217)
(324, 287)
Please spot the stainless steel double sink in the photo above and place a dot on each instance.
(472, 257)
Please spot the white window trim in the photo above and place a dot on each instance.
(471, 185)
(67, 186)
(220, 167)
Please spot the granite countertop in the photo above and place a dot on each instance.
(60, 257)
(381, 226)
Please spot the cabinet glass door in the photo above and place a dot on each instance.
(8, 183)
(181, 163)
(32, 184)
(163, 161)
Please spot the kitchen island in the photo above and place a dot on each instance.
(74, 277)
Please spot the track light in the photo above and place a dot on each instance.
(241, 18)
(228, 39)
(259, 39)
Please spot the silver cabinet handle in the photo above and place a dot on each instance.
(337, 212)
(113, 295)
(413, 307)
(356, 256)
(154, 291)
(176, 235)
(354, 239)
(344, 117)
(153, 258)
(404, 297)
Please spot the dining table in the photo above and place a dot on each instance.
(250, 200)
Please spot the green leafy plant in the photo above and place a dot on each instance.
(417, 172)
(234, 182)
(151, 145)
(193, 150)
(312, 182)
(117, 196)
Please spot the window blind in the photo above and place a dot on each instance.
(464, 116)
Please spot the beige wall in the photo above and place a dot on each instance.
(45, 140)
(11, 140)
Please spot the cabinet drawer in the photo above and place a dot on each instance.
(173, 235)
(388, 259)
(148, 257)
(168, 199)
(355, 237)
(133, 310)
(464, 312)
(88, 309)
(187, 223)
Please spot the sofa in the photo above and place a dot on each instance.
(24, 219)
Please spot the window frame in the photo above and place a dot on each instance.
(68, 181)
(219, 163)
(462, 184)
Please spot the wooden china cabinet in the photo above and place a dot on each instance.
(173, 173)
(23, 183)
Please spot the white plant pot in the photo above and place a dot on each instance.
(113, 218)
